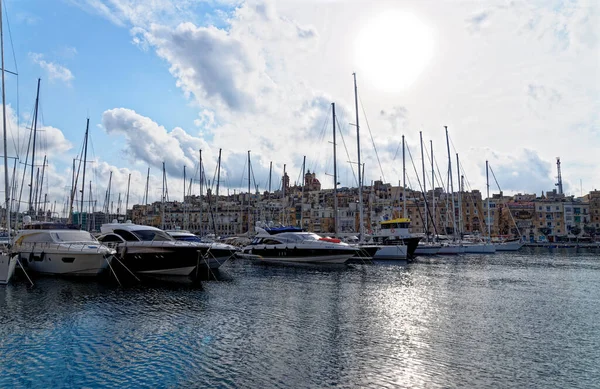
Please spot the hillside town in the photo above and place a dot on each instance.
(548, 217)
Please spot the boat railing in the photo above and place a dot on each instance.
(71, 247)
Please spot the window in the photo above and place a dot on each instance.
(110, 238)
(152, 235)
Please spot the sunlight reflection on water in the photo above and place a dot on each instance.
(508, 320)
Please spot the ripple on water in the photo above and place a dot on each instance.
(521, 320)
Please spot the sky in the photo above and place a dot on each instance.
(517, 83)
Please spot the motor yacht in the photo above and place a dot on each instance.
(298, 247)
(150, 251)
(396, 232)
(61, 249)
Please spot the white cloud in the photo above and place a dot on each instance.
(510, 77)
(54, 70)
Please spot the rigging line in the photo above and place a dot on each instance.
(253, 177)
(12, 46)
(243, 174)
(346, 148)
(427, 214)
(493, 175)
(372, 140)
(321, 138)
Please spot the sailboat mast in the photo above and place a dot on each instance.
(335, 180)
(432, 188)
(201, 188)
(35, 115)
(404, 211)
(302, 194)
(85, 142)
(162, 200)
(41, 186)
(451, 185)
(270, 175)
(6, 188)
(424, 186)
(249, 195)
(217, 194)
(183, 204)
(487, 180)
(282, 218)
(90, 226)
(146, 191)
(127, 195)
(460, 189)
(360, 194)
(108, 194)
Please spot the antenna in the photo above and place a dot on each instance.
(559, 183)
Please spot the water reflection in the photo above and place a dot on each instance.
(522, 320)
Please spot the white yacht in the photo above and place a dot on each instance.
(298, 247)
(396, 232)
(150, 251)
(59, 249)
(512, 245)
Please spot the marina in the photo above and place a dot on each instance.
(512, 320)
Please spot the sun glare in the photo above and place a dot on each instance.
(393, 49)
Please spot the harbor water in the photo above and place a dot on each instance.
(529, 319)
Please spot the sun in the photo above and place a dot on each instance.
(393, 49)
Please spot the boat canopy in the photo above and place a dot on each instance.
(395, 223)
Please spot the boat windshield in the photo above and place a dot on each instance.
(187, 238)
(300, 236)
(73, 236)
(152, 235)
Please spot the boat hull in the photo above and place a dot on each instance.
(285, 254)
(425, 249)
(7, 268)
(451, 250)
(509, 246)
(171, 261)
(66, 263)
(396, 252)
(480, 249)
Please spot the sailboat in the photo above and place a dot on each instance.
(385, 244)
(8, 260)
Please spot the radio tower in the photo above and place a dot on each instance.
(559, 183)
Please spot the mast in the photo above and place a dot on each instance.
(432, 189)
(460, 189)
(249, 193)
(6, 188)
(127, 195)
(404, 211)
(200, 171)
(451, 185)
(162, 202)
(283, 181)
(302, 193)
(487, 180)
(270, 175)
(424, 187)
(108, 194)
(35, 115)
(85, 143)
(41, 185)
(146, 192)
(90, 226)
(360, 195)
(183, 204)
(119, 206)
(217, 194)
(335, 183)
